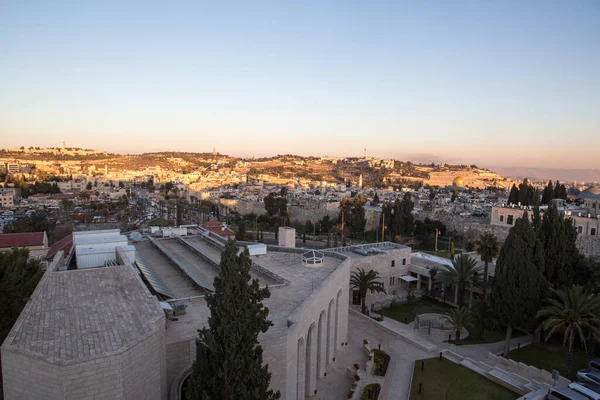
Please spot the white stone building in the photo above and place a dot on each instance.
(101, 333)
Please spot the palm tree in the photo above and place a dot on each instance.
(366, 281)
(464, 274)
(484, 317)
(460, 318)
(487, 248)
(571, 312)
(432, 274)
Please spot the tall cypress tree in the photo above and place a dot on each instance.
(558, 236)
(229, 362)
(518, 282)
(513, 197)
(557, 190)
(548, 193)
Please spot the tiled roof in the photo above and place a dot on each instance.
(85, 314)
(10, 240)
(63, 244)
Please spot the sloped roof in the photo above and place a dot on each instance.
(65, 244)
(590, 193)
(29, 239)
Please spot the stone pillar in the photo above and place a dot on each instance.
(418, 281)
(455, 294)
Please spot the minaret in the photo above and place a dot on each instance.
(365, 153)
(360, 181)
(105, 169)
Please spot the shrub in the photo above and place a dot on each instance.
(374, 388)
(382, 360)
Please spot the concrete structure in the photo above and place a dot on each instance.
(11, 168)
(95, 334)
(287, 237)
(389, 259)
(98, 248)
(99, 333)
(6, 199)
(35, 242)
(586, 223)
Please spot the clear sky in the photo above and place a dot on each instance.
(496, 83)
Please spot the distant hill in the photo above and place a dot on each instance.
(568, 175)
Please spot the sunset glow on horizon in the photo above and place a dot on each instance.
(492, 84)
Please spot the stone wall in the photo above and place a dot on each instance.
(470, 227)
(589, 245)
(139, 372)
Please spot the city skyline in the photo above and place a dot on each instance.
(493, 85)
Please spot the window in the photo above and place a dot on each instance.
(502, 218)
(404, 261)
(593, 231)
(509, 220)
(355, 298)
(580, 229)
(392, 280)
(393, 263)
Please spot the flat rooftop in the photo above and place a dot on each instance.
(286, 263)
(367, 250)
(56, 324)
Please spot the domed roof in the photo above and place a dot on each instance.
(458, 181)
(590, 193)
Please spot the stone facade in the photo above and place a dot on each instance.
(587, 226)
(61, 349)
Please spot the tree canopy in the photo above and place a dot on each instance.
(518, 282)
(229, 358)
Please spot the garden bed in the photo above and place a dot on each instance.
(406, 312)
(371, 392)
(382, 361)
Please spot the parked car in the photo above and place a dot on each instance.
(584, 390)
(594, 365)
(591, 378)
(563, 393)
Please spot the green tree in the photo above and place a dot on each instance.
(518, 281)
(19, 275)
(573, 313)
(376, 198)
(460, 318)
(487, 248)
(548, 193)
(229, 358)
(513, 197)
(36, 222)
(558, 237)
(89, 186)
(241, 233)
(364, 282)
(464, 274)
(483, 314)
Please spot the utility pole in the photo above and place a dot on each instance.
(437, 231)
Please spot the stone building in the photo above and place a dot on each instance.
(586, 223)
(101, 333)
(95, 333)
(390, 260)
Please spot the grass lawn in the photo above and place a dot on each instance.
(548, 357)
(405, 313)
(445, 380)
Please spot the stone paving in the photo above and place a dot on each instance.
(404, 346)
(397, 380)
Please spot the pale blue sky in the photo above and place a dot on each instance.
(491, 83)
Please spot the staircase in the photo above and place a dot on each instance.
(517, 382)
